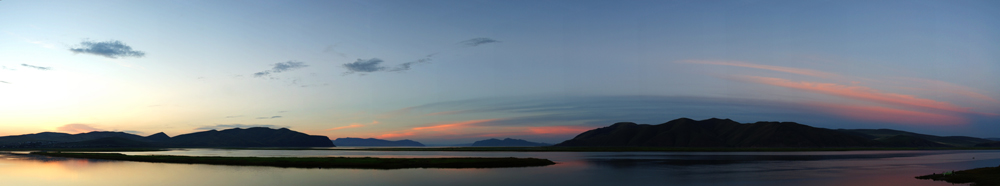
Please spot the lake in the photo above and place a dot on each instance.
(572, 168)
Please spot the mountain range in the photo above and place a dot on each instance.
(507, 142)
(349, 142)
(715, 132)
(236, 137)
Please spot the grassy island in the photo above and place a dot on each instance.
(319, 162)
(979, 176)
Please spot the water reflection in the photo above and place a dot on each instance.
(574, 168)
(633, 160)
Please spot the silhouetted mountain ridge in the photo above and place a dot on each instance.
(714, 132)
(236, 137)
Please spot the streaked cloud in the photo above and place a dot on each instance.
(352, 125)
(77, 128)
(281, 67)
(857, 92)
(110, 49)
(478, 41)
(889, 115)
(559, 129)
(36, 67)
(799, 71)
(346, 127)
(950, 88)
(4, 82)
(235, 116)
(272, 117)
(229, 126)
(455, 125)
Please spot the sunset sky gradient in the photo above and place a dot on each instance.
(451, 72)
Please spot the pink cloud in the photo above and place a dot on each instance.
(857, 92)
(951, 88)
(799, 71)
(889, 115)
(77, 128)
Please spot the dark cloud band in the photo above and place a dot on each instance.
(478, 41)
(281, 67)
(37, 67)
(110, 49)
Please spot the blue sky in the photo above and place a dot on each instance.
(459, 71)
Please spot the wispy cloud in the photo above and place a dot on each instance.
(77, 128)
(110, 49)
(235, 116)
(4, 82)
(352, 125)
(889, 115)
(272, 117)
(558, 129)
(455, 125)
(346, 127)
(478, 41)
(37, 67)
(951, 88)
(229, 126)
(857, 92)
(281, 67)
(799, 71)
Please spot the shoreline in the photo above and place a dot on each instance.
(319, 162)
(977, 176)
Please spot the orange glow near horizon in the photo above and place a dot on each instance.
(455, 125)
(858, 92)
(346, 127)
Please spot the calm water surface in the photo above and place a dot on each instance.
(573, 168)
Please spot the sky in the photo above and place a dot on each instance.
(450, 72)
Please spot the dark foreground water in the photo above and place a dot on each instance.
(573, 168)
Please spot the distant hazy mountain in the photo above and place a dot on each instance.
(994, 139)
(507, 142)
(714, 132)
(347, 142)
(892, 137)
(251, 137)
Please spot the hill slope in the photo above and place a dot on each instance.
(714, 132)
(946, 141)
(250, 137)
